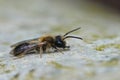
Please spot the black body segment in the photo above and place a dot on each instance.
(59, 42)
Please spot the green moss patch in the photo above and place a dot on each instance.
(111, 62)
(102, 47)
(59, 66)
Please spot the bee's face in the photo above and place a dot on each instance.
(59, 42)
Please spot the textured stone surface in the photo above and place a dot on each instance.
(96, 57)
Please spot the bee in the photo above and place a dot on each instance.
(42, 44)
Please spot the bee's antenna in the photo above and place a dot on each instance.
(72, 31)
(73, 37)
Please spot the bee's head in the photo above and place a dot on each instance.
(59, 42)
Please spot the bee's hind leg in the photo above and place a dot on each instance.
(22, 54)
(19, 56)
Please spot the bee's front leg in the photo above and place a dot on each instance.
(57, 49)
(67, 47)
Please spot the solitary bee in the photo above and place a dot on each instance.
(41, 44)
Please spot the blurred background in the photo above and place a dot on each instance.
(26, 19)
(33, 18)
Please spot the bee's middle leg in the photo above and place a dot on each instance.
(41, 51)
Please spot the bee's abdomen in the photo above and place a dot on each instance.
(20, 49)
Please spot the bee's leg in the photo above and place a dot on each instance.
(16, 54)
(44, 48)
(41, 48)
(20, 56)
(67, 47)
(36, 51)
(58, 49)
(41, 51)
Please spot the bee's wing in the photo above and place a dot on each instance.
(25, 41)
(20, 48)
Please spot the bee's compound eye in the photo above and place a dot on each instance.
(59, 42)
